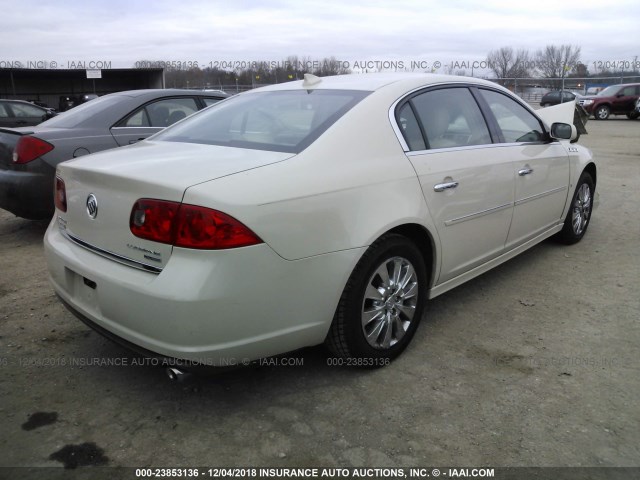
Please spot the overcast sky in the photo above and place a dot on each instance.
(122, 32)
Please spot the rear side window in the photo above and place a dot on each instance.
(516, 123)
(208, 101)
(449, 117)
(23, 110)
(283, 121)
(80, 114)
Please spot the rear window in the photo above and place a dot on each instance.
(286, 121)
(77, 115)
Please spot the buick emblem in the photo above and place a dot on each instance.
(92, 206)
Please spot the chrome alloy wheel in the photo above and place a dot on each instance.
(581, 209)
(389, 302)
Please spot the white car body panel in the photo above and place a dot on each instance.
(561, 113)
(150, 171)
(541, 194)
(234, 293)
(473, 219)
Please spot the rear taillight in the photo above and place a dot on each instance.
(60, 195)
(29, 148)
(188, 226)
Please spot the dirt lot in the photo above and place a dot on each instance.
(536, 363)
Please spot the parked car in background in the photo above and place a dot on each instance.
(554, 98)
(66, 102)
(18, 113)
(86, 98)
(594, 90)
(42, 104)
(28, 156)
(638, 107)
(324, 210)
(614, 100)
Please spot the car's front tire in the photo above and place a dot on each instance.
(579, 214)
(632, 115)
(602, 112)
(382, 303)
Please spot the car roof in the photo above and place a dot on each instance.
(18, 101)
(623, 85)
(375, 81)
(153, 92)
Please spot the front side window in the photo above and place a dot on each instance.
(282, 121)
(450, 117)
(516, 122)
(610, 91)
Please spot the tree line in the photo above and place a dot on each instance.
(506, 65)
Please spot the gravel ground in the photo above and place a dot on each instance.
(536, 363)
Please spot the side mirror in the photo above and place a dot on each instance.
(564, 131)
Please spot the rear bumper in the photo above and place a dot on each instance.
(27, 194)
(214, 308)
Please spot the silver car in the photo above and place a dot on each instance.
(29, 155)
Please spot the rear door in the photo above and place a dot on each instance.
(540, 167)
(6, 116)
(25, 115)
(466, 180)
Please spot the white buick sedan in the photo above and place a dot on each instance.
(325, 210)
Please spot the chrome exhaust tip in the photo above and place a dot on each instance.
(175, 374)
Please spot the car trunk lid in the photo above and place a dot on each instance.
(116, 180)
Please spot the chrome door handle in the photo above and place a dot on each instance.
(441, 187)
(525, 171)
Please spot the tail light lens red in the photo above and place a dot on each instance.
(188, 226)
(29, 148)
(60, 195)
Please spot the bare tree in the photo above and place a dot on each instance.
(522, 65)
(554, 62)
(500, 61)
(506, 63)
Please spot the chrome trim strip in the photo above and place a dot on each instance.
(435, 151)
(110, 255)
(539, 195)
(471, 216)
(122, 128)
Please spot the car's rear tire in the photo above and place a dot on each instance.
(633, 115)
(381, 305)
(602, 112)
(579, 214)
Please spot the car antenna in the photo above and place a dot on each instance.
(310, 80)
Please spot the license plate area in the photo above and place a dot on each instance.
(84, 290)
